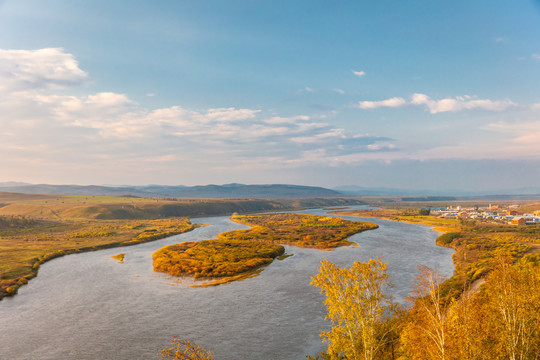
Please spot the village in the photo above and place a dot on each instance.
(492, 213)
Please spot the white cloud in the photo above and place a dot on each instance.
(38, 69)
(359, 73)
(535, 56)
(392, 102)
(339, 91)
(286, 120)
(108, 116)
(331, 133)
(522, 137)
(108, 99)
(457, 104)
(309, 90)
(231, 114)
(460, 103)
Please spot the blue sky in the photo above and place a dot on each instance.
(409, 94)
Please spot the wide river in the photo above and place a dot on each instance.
(89, 306)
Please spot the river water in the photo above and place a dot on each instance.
(89, 306)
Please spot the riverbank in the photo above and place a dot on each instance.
(26, 245)
(479, 246)
(410, 216)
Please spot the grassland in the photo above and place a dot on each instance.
(479, 245)
(58, 207)
(236, 254)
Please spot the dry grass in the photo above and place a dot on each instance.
(237, 254)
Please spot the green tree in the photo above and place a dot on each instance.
(357, 305)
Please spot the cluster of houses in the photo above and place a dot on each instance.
(493, 213)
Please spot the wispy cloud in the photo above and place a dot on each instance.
(108, 125)
(392, 103)
(359, 73)
(460, 103)
(339, 91)
(523, 137)
(308, 89)
(535, 56)
(457, 104)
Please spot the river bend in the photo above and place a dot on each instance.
(89, 306)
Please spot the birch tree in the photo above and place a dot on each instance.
(356, 304)
(425, 334)
(513, 298)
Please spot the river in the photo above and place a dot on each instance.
(89, 306)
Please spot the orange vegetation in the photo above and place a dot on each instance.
(241, 252)
(214, 258)
(312, 231)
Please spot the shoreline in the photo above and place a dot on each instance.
(440, 228)
(11, 290)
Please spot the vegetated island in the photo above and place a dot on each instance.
(239, 254)
(479, 245)
(119, 257)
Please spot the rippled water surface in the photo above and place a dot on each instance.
(89, 306)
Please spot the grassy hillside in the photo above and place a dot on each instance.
(269, 191)
(58, 207)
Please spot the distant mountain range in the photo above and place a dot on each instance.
(271, 191)
(236, 191)
(354, 190)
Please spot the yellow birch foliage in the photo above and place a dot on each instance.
(512, 295)
(424, 335)
(356, 305)
(501, 321)
(468, 329)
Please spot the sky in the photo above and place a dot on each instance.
(417, 94)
